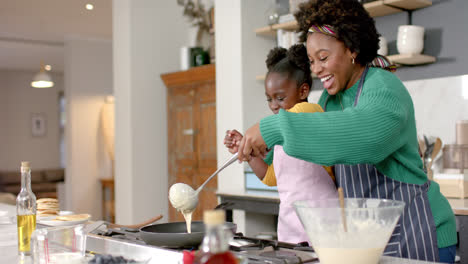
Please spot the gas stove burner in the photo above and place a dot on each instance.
(281, 254)
(254, 250)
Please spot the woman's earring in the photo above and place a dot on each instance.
(353, 60)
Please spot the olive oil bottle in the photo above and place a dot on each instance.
(25, 211)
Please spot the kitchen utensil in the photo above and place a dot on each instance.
(137, 226)
(370, 223)
(422, 148)
(96, 224)
(343, 215)
(435, 150)
(227, 163)
(174, 235)
(184, 198)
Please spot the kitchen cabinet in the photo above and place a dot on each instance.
(375, 9)
(191, 120)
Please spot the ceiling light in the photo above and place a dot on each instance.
(42, 79)
(48, 67)
(89, 6)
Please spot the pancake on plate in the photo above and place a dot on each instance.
(47, 207)
(74, 217)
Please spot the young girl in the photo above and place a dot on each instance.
(287, 86)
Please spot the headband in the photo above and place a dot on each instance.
(379, 61)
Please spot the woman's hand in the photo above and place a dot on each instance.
(232, 140)
(252, 144)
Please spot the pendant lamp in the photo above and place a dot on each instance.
(42, 79)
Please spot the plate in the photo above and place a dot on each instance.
(53, 222)
(51, 217)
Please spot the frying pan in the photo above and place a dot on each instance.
(174, 235)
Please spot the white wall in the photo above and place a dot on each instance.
(240, 99)
(439, 103)
(147, 37)
(18, 101)
(88, 80)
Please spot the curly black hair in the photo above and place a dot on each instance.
(351, 22)
(293, 62)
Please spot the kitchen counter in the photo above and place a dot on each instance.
(460, 209)
(267, 203)
(9, 254)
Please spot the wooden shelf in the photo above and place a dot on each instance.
(267, 31)
(290, 25)
(375, 9)
(260, 77)
(398, 59)
(378, 8)
(408, 4)
(411, 59)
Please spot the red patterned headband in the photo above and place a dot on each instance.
(325, 29)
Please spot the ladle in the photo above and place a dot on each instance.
(192, 200)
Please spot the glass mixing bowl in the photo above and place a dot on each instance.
(369, 225)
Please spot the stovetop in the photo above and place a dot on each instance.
(251, 250)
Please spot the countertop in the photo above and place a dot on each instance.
(459, 206)
(9, 254)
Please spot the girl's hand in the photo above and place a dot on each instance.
(232, 140)
(252, 144)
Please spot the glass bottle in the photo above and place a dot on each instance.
(215, 246)
(25, 211)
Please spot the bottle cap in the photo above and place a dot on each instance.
(25, 164)
(214, 217)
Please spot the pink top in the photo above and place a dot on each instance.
(298, 180)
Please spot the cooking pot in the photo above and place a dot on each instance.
(174, 235)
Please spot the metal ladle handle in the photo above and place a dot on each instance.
(227, 163)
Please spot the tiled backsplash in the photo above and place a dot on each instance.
(439, 103)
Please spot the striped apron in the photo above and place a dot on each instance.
(414, 236)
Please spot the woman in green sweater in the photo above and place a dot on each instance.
(368, 130)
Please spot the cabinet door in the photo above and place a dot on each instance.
(192, 141)
(205, 146)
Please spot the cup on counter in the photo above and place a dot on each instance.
(410, 39)
(54, 245)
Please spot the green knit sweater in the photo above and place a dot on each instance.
(380, 130)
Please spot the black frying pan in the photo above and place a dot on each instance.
(174, 235)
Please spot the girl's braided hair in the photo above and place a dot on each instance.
(293, 62)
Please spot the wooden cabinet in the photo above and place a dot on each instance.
(191, 115)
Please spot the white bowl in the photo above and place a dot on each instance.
(410, 39)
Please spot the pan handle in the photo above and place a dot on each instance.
(137, 226)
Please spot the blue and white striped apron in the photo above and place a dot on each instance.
(414, 236)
